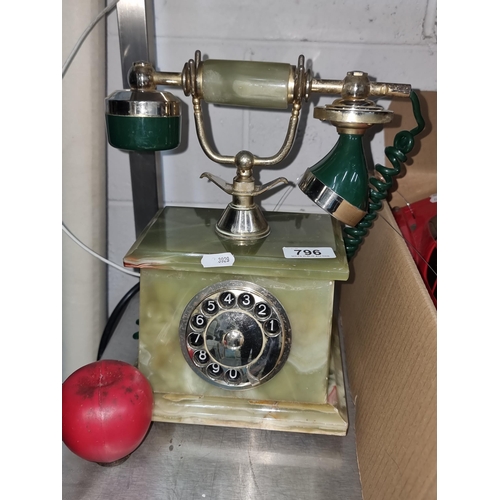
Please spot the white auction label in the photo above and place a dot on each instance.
(217, 260)
(308, 253)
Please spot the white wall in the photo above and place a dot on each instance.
(83, 186)
(392, 40)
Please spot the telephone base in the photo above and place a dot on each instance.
(329, 418)
(315, 419)
(281, 371)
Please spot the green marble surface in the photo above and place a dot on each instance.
(178, 237)
(308, 304)
(246, 83)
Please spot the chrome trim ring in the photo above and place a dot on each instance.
(353, 114)
(142, 103)
(329, 200)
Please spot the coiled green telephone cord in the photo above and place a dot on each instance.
(379, 189)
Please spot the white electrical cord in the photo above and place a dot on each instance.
(65, 67)
(84, 35)
(91, 252)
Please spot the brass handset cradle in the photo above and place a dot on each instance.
(259, 85)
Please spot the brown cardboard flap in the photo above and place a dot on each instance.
(389, 324)
(418, 178)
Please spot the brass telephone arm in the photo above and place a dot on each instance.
(273, 86)
(231, 160)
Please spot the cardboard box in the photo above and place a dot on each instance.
(389, 325)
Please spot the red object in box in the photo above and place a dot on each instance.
(418, 224)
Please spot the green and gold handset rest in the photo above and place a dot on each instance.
(143, 118)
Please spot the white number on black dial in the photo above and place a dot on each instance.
(227, 299)
(195, 339)
(272, 326)
(246, 301)
(214, 370)
(201, 357)
(262, 310)
(210, 306)
(233, 376)
(198, 321)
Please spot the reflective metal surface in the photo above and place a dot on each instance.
(344, 112)
(235, 335)
(136, 35)
(180, 462)
(142, 103)
(186, 462)
(330, 201)
(242, 223)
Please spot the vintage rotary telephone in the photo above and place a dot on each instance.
(236, 306)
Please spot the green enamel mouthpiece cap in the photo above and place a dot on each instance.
(143, 120)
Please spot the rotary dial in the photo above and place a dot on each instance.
(235, 334)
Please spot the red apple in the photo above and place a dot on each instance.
(107, 408)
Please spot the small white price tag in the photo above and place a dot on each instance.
(217, 260)
(308, 253)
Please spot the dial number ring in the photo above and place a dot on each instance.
(235, 334)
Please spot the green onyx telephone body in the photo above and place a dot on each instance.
(251, 344)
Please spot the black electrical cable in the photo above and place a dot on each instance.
(113, 320)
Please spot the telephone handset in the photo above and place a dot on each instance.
(236, 306)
